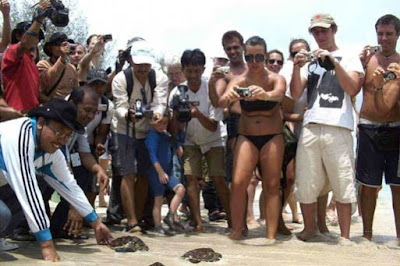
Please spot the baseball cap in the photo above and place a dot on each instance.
(142, 53)
(321, 20)
(97, 74)
(59, 110)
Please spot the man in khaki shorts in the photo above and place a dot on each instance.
(325, 147)
(205, 134)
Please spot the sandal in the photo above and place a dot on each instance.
(132, 228)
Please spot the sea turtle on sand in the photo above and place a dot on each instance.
(202, 254)
(128, 244)
(157, 264)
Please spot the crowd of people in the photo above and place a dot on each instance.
(170, 134)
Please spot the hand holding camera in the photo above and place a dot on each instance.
(183, 105)
(301, 58)
(244, 92)
(380, 76)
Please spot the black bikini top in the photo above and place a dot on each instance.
(257, 105)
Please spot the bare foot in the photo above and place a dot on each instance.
(306, 236)
(198, 229)
(234, 235)
(252, 223)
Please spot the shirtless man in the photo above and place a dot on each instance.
(373, 158)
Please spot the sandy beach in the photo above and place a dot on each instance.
(255, 250)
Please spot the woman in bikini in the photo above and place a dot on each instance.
(260, 140)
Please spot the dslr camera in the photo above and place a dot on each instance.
(141, 110)
(244, 92)
(181, 104)
(58, 13)
(388, 76)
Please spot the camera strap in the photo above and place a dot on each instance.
(56, 84)
(144, 98)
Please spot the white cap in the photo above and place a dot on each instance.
(142, 53)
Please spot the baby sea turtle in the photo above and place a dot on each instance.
(202, 254)
(128, 244)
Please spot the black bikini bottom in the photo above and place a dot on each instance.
(260, 141)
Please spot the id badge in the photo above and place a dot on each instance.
(75, 159)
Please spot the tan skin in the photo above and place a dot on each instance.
(77, 56)
(274, 67)
(380, 106)
(350, 83)
(264, 85)
(386, 100)
(49, 141)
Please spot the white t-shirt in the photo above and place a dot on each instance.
(328, 103)
(196, 133)
(97, 120)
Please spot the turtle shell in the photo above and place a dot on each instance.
(202, 254)
(128, 244)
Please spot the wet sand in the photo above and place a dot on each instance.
(255, 250)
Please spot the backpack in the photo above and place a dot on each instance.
(129, 81)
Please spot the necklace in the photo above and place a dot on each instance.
(386, 57)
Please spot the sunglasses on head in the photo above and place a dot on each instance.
(258, 57)
(272, 61)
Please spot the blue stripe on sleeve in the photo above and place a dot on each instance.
(43, 235)
(91, 217)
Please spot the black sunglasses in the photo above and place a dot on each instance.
(258, 57)
(272, 61)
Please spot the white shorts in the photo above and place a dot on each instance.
(324, 155)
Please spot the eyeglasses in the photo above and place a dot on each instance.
(272, 61)
(258, 57)
(58, 134)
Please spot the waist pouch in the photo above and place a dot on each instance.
(384, 138)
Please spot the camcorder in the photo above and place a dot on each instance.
(388, 76)
(58, 13)
(141, 110)
(244, 92)
(375, 49)
(181, 104)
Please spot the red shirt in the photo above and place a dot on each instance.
(20, 80)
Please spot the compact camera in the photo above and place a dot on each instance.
(107, 37)
(375, 49)
(310, 56)
(388, 76)
(141, 110)
(244, 92)
(72, 47)
(224, 69)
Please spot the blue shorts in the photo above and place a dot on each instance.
(156, 188)
(371, 163)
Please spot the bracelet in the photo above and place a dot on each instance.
(378, 89)
(32, 33)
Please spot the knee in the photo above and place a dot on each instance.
(180, 191)
(219, 182)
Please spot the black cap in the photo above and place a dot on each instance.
(97, 74)
(55, 39)
(61, 111)
(21, 28)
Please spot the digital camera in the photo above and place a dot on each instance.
(244, 92)
(224, 69)
(310, 56)
(180, 103)
(388, 76)
(375, 49)
(141, 110)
